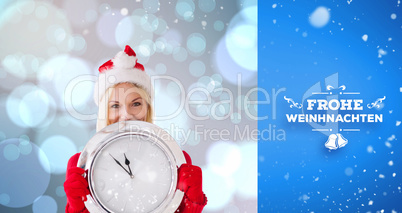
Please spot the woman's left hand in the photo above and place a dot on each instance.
(190, 182)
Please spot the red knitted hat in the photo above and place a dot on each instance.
(122, 68)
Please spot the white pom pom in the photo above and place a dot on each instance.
(122, 60)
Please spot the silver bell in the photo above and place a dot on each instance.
(331, 142)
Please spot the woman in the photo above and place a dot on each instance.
(124, 92)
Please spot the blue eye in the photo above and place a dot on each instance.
(114, 106)
(136, 104)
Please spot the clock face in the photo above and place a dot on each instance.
(131, 174)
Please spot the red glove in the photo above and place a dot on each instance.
(76, 188)
(190, 182)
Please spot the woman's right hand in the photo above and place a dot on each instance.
(76, 188)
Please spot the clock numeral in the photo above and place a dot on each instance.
(139, 146)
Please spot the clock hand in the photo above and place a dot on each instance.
(121, 166)
(128, 164)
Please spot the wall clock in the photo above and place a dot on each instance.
(132, 167)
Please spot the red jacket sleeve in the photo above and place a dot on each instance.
(186, 205)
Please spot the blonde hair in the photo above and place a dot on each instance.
(103, 110)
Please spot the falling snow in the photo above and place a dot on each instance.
(365, 37)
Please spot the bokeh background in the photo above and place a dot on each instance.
(50, 51)
(352, 43)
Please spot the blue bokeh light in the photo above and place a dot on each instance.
(162, 27)
(4, 199)
(219, 25)
(134, 29)
(151, 6)
(180, 54)
(104, 8)
(77, 43)
(60, 191)
(27, 176)
(185, 10)
(149, 22)
(160, 69)
(106, 27)
(44, 204)
(196, 44)
(160, 44)
(56, 34)
(207, 6)
(197, 68)
(11, 152)
(25, 146)
(235, 118)
(81, 13)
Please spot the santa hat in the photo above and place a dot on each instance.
(122, 68)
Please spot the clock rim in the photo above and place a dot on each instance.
(154, 132)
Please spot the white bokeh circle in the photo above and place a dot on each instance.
(58, 150)
(30, 106)
(219, 189)
(58, 73)
(224, 158)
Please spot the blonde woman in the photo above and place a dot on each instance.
(124, 92)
